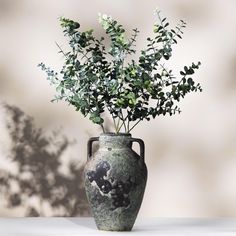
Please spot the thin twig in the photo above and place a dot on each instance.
(61, 49)
(134, 126)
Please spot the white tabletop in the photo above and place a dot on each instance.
(147, 226)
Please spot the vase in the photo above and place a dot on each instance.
(115, 180)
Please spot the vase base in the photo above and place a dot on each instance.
(114, 229)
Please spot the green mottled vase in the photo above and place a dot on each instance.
(115, 180)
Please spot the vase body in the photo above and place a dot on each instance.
(115, 180)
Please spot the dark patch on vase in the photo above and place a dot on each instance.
(109, 149)
(119, 190)
(98, 176)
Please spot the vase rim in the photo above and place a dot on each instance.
(115, 134)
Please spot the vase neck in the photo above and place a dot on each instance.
(112, 140)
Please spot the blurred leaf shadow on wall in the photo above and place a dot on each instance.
(38, 182)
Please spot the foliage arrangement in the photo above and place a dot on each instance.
(95, 79)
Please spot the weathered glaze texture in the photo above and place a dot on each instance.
(115, 180)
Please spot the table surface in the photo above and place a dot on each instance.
(144, 226)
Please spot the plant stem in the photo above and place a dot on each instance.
(123, 120)
(117, 128)
(103, 130)
(61, 50)
(113, 118)
(114, 121)
(134, 126)
(120, 127)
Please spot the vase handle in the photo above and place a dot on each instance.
(142, 146)
(89, 147)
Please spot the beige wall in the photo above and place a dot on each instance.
(191, 157)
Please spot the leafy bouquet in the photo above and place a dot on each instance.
(95, 79)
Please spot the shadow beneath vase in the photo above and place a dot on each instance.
(86, 222)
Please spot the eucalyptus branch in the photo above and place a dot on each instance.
(114, 121)
(123, 120)
(61, 51)
(134, 125)
(103, 130)
(93, 83)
